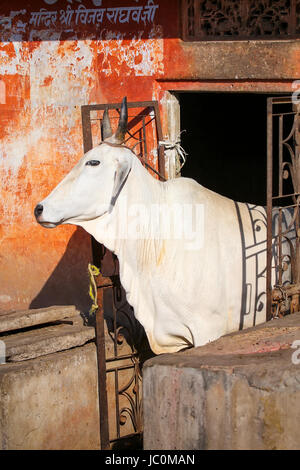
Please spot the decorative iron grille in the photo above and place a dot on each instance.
(120, 372)
(240, 19)
(283, 200)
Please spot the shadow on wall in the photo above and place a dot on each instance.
(69, 282)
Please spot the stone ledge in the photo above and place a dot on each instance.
(27, 318)
(239, 392)
(31, 344)
(34, 333)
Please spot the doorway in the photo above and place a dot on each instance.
(225, 136)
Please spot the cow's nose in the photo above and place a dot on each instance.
(38, 210)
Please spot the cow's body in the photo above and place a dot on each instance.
(183, 294)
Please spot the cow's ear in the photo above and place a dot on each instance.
(123, 167)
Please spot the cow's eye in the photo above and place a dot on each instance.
(93, 162)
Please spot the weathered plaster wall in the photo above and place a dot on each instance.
(47, 73)
(49, 67)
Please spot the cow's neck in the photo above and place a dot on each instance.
(140, 190)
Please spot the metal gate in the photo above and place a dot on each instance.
(283, 194)
(143, 136)
(283, 197)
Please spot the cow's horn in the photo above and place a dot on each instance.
(122, 126)
(105, 126)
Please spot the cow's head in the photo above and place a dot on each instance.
(92, 186)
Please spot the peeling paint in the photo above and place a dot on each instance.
(13, 152)
(142, 58)
(70, 78)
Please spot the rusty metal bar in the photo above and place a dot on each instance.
(121, 357)
(115, 339)
(117, 402)
(280, 139)
(86, 129)
(279, 245)
(161, 177)
(124, 367)
(138, 131)
(269, 207)
(101, 362)
(286, 195)
(139, 116)
(135, 104)
(137, 392)
(280, 189)
(144, 140)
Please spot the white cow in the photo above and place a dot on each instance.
(186, 287)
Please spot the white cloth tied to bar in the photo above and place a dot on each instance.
(175, 144)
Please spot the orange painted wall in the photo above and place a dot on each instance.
(49, 68)
(47, 71)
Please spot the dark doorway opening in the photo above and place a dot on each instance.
(225, 138)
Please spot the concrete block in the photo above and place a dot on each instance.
(50, 402)
(239, 392)
(49, 384)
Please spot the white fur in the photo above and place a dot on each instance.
(182, 297)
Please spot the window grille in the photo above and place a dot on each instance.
(240, 19)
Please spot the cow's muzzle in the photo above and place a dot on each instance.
(38, 212)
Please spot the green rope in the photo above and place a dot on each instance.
(93, 271)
